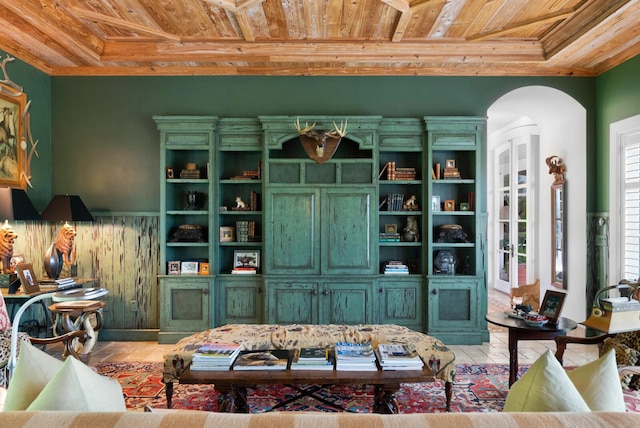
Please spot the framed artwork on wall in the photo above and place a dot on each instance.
(246, 259)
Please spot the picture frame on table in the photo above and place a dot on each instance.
(552, 305)
(189, 268)
(246, 259)
(28, 278)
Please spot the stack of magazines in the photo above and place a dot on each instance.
(398, 357)
(355, 357)
(215, 356)
(312, 359)
(272, 359)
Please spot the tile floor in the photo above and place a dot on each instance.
(494, 351)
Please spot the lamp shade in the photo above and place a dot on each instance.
(16, 205)
(66, 208)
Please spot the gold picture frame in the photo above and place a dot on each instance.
(17, 147)
(449, 205)
(227, 234)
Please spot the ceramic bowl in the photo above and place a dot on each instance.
(535, 320)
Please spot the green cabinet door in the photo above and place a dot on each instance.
(240, 300)
(292, 302)
(293, 236)
(400, 301)
(346, 302)
(347, 227)
(185, 307)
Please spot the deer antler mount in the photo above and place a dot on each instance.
(321, 145)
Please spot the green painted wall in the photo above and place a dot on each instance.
(106, 146)
(37, 86)
(618, 97)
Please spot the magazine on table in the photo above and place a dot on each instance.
(263, 360)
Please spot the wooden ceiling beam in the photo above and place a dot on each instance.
(121, 23)
(239, 9)
(552, 17)
(500, 51)
(406, 13)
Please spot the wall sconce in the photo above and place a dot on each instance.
(14, 205)
(61, 252)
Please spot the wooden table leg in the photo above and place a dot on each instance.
(448, 392)
(168, 388)
(513, 357)
(385, 399)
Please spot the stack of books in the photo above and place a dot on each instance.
(312, 359)
(214, 356)
(244, 271)
(395, 201)
(398, 173)
(389, 237)
(65, 282)
(398, 357)
(263, 360)
(355, 357)
(395, 267)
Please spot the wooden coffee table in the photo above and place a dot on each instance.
(232, 385)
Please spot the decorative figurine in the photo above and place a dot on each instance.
(240, 203)
(411, 233)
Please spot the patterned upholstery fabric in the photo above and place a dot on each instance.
(5, 339)
(192, 419)
(270, 336)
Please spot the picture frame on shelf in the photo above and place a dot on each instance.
(435, 203)
(552, 305)
(246, 259)
(227, 234)
(169, 172)
(391, 228)
(450, 163)
(464, 206)
(189, 268)
(15, 261)
(28, 278)
(203, 268)
(173, 267)
(449, 205)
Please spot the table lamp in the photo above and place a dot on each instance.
(14, 205)
(617, 314)
(64, 208)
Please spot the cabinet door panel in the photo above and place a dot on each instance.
(346, 303)
(346, 231)
(292, 302)
(240, 301)
(292, 241)
(401, 302)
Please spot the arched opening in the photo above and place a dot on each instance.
(558, 123)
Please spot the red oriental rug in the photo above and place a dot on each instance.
(477, 388)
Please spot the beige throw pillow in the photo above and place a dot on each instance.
(76, 387)
(599, 384)
(32, 373)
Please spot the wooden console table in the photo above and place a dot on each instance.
(232, 385)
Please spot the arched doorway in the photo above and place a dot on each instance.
(559, 122)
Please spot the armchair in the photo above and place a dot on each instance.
(5, 341)
(526, 294)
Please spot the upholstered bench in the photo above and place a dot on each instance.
(270, 336)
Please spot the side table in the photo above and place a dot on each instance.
(519, 330)
(80, 315)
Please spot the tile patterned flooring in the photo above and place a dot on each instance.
(494, 351)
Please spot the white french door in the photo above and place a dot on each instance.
(513, 203)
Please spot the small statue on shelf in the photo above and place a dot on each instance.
(411, 233)
(411, 204)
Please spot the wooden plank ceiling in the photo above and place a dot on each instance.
(321, 37)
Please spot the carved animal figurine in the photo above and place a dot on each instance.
(411, 233)
(7, 238)
(64, 243)
(410, 204)
(557, 168)
(240, 203)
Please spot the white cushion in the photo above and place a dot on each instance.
(33, 371)
(545, 387)
(76, 387)
(599, 384)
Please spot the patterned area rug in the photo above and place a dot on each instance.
(477, 388)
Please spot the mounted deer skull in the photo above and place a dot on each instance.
(321, 145)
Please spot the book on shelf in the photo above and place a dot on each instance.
(244, 271)
(396, 267)
(277, 359)
(395, 201)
